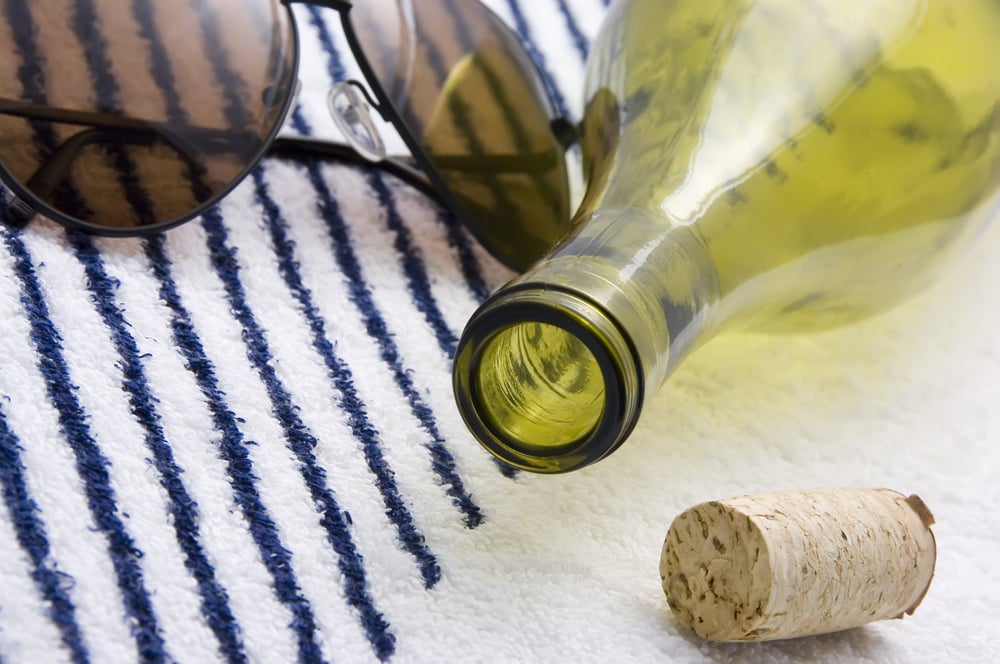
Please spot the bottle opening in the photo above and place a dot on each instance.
(545, 380)
(539, 387)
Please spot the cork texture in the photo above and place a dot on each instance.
(787, 564)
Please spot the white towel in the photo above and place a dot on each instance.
(238, 441)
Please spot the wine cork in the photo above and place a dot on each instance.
(786, 564)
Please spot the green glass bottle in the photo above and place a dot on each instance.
(753, 164)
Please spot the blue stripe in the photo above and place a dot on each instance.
(300, 440)
(91, 463)
(442, 460)
(87, 27)
(521, 24)
(163, 75)
(414, 268)
(30, 531)
(161, 71)
(580, 41)
(420, 290)
(413, 264)
(214, 599)
(234, 451)
(234, 85)
(343, 380)
(31, 75)
(471, 268)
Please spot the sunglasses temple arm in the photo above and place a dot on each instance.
(67, 116)
(289, 147)
(113, 122)
(532, 163)
(56, 168)
(528, 164)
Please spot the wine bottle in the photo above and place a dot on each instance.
(750, 164)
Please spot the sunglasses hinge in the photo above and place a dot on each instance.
(567, 133)
(15, 212)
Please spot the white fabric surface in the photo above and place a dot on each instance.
(560, 569)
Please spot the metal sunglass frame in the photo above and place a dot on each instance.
(422, 174)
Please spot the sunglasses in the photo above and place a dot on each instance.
(127, 119)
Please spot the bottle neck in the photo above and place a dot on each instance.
(655, 280)
(552, 372)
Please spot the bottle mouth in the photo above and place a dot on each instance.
(545, 379)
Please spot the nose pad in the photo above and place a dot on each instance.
(351, 113)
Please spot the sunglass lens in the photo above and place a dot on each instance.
(471, 98)
(125, 115)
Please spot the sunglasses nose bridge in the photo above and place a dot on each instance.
(351, 112)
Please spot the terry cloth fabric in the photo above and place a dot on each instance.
(237, 441)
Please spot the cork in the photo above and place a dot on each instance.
(795, 563)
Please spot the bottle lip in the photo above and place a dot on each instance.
(591, 324)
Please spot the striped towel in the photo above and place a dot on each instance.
(237, 441)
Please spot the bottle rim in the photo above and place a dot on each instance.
(596, 329)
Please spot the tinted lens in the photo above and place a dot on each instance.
(471, 98)
(133, 114)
